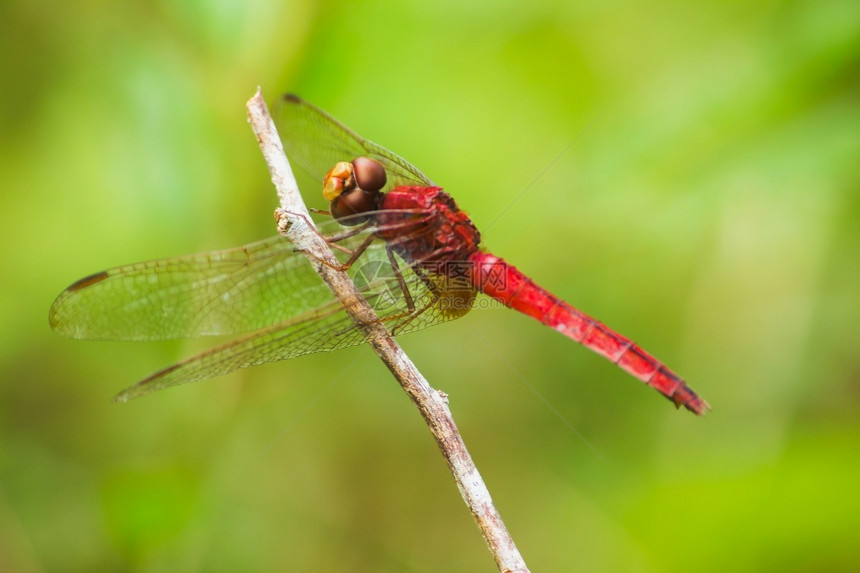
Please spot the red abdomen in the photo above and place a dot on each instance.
(505, 283)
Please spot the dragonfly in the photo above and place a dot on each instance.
(413, 254)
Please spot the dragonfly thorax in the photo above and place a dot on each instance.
(424, 225)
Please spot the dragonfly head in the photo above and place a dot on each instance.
(354, 188)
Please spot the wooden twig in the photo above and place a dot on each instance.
(294, 223)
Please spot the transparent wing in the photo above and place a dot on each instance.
(220, 292)
(326, 328)
(315, 141)
(431, 300)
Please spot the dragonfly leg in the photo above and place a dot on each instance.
(337, 237)
(413, 312)
(410, 311)
(358, 252)
(407, 296)
(410, 303)
(331, 240)
(353, 255)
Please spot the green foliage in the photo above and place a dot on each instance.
(687, 173)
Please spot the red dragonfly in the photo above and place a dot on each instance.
(413, 254)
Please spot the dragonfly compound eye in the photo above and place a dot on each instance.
(347, 206)
(369, 173)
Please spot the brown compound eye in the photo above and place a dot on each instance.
(347, 206)
(369, 173)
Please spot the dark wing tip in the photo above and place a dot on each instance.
(146, 385)
(292, 98)
(57, 318)
(87, 281)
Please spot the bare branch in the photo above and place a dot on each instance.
(294, 223)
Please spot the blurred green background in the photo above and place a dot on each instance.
(686, 172)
